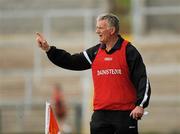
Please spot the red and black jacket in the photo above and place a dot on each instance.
(85, 60)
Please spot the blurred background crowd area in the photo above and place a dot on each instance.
(27, 77)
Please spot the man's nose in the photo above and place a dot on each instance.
(97, 31)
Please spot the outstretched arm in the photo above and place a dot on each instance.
(66, 60)
(63, 58)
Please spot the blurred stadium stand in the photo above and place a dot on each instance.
(26, 75)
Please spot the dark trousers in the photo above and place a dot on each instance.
(113, 122)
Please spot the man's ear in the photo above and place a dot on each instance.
(113, 30)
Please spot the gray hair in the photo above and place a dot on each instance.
(112, 20)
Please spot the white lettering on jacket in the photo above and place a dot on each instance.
(109, 72)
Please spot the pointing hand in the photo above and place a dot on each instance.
(42, 43)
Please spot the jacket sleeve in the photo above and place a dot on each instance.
(138, 75)
(65, 60)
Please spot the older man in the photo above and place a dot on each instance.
(121, 86)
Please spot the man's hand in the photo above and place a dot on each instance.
(137, 113)
(42, 43)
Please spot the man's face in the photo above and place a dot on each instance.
(103, 30)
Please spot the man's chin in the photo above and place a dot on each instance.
(102, 42)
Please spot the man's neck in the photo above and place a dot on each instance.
(110, 44)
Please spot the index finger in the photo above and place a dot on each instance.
(131, 114)
(40, 35)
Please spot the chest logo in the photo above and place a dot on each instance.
(108, 58)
